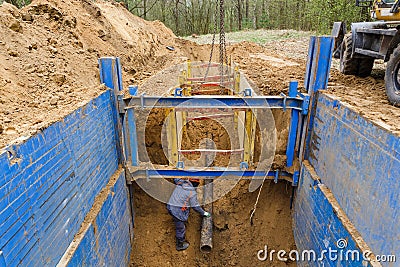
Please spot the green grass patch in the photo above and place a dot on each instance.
(260, 37)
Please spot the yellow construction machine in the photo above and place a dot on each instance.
(368, 41)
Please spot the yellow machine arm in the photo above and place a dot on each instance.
(387, 10)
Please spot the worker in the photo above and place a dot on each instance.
(182, 199)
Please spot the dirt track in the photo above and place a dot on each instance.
(48, 67)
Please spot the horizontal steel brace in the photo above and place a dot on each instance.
(207, 174)
(214, 101)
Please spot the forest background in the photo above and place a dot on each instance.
(187, 17)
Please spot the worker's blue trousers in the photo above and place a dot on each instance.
(180, 229)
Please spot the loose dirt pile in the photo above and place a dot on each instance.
(49, 52)
(367, 96)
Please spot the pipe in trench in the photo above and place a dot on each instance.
(207, 224)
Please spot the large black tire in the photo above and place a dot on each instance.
(365, 66)
(348, 65)
(392, 78)
(361, 67)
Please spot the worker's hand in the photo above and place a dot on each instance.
(207, 214)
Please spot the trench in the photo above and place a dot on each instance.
(236, 239)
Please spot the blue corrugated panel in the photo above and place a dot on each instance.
(108, 240)
(360, 162)
(45, 196)
(317, 226)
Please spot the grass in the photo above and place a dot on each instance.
(256, 36)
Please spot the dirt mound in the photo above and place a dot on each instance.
(368, 97)
(49, 52)
(270, 71)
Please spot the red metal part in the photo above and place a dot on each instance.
(209, 151)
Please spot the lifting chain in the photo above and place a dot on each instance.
(212, 44)
(222, 42)
(223, 58)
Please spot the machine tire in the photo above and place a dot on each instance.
(348, 65)
(361, 67)
(392, 78)
(365, 66)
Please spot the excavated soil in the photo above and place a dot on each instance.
(48, 68)
(367, 96)
(49, 52)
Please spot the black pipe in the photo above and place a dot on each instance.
(207, 224)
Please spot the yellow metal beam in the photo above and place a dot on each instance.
(237, 80)
(184, 121)
(182, 79)
(236, 92)
(172, 137)
(247, 137)
(253, 135)
(187, 91)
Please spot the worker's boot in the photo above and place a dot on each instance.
(181, 245)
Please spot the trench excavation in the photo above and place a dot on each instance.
(64, 198)
(230, 237)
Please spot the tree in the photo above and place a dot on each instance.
(186, 17)
(17, 3)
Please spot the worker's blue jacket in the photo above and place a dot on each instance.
(183, 197)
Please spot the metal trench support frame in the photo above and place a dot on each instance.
(302, 108)
(296, 102)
